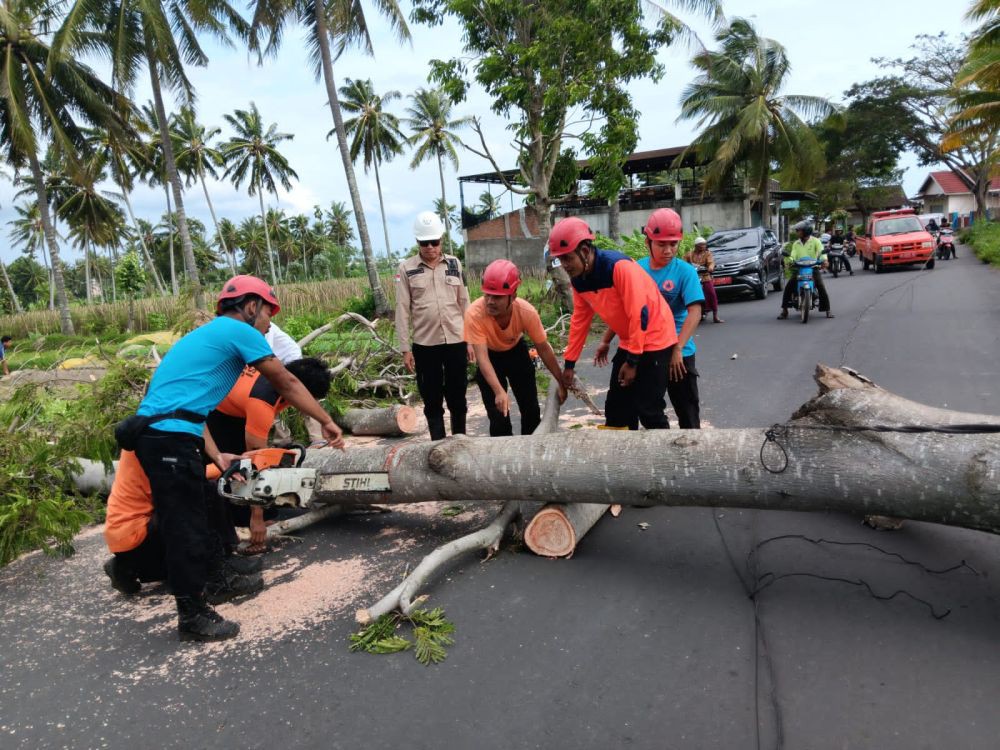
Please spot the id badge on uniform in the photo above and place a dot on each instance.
(556, 263)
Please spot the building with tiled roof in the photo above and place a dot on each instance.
(948, 192)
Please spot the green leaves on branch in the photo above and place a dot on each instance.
(432, 634)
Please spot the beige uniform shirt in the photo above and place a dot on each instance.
(432, 299)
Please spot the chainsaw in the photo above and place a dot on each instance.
(269, 476)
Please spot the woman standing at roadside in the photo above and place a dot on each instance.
(701, 258)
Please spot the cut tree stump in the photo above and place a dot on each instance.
(391, 421)
(557, 529)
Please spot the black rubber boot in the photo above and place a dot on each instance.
(122, 579)
(436, 427)
(458, 424)
(225, 584)
(196, 621)
(243, 565)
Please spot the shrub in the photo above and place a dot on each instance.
(984, 238)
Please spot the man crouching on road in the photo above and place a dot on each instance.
(615, 287)
(495, 326)
(194, 376)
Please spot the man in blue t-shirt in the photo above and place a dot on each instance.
(194, 376)
(4, 343)
(678, 282)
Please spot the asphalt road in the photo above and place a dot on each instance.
(644, 639)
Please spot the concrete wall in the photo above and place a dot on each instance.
(526, 254)
(729, 215)
(515, 235)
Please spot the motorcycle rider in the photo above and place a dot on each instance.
(840, 239)
(806, 246)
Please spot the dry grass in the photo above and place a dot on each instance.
(156, 313)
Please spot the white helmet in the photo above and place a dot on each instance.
(700, 241)
(428, 226)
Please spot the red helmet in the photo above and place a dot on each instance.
(664, 225)
(567, 234)
(501, 277)
(240, 286)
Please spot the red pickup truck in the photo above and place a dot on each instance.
(894, 238)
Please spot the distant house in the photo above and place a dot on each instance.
(946, 192)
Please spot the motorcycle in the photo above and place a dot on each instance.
(945, 244)
(836, 256)
(804, 298)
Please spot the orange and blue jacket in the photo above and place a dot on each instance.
(627, 300)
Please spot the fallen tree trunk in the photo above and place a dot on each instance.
(943, 478)
(403, 597)
(391, 421)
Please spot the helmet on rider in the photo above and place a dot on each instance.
(501, 278)
(567, 235)
(237, 289)
(428, 226)
(664, 225)
(700, 241)
(805, 227)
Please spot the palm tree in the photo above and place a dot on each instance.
(195, 157)
(745, 121)
(336, 222)
(28, 233)
(340, 24)
(93, 217)
(489, 205)
(375, 132)
(46, 94)
(433, 136)
(252, 154)
(977, 85)
(126, 158)
(225, 236)
(141, 33)
(253, 243)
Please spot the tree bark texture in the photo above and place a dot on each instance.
(187, 248)
(560, 279)
(218, 232)
(391, 421)
(941, 478)
(65, 321)
(323, 39)
(614, 219)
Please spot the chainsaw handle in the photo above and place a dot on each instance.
(244, 465)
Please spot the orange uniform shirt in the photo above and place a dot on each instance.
(480, 328)
(254, 399)
(627, 299)
(130, 506)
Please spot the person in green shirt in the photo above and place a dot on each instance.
(806, 246)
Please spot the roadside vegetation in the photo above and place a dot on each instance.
(984, 239)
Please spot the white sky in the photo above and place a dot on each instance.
(829, 45)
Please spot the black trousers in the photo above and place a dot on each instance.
(683, 395)
(844, 262)
(514, 369)
(148, 560)
(643, 401)
(441, 377)
(791, 288)
(174, 464)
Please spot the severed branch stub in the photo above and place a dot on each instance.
(403, 597)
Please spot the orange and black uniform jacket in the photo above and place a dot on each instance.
(626, 298)
(251, 406)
